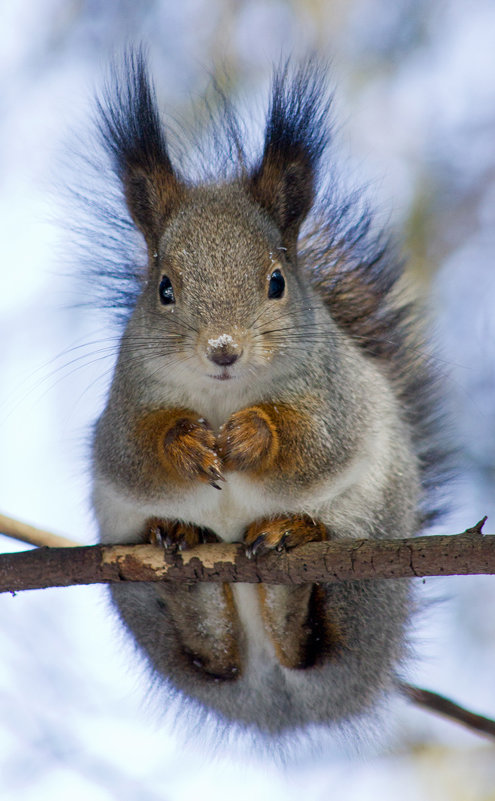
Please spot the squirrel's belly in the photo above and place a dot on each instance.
(227, 512)
(235, 506)
(260, 650)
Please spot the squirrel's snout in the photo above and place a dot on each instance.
(223, 351)
(224, 359)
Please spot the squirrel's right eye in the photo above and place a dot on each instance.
(277, 285)
(166, 291)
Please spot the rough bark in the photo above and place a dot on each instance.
(461, 554)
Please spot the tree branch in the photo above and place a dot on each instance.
(33, 536)
(444, 706)
(461, 554)
(468, 553)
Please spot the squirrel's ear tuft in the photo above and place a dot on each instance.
(133, 134)
(284, 181)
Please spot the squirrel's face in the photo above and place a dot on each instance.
(224, 300)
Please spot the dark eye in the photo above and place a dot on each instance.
(166, 291)
(277, 285)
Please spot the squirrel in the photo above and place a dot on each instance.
(270, 389)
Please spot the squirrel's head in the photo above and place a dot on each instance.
(223, 297)
(222, 289)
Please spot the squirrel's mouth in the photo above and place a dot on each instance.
(225, 376)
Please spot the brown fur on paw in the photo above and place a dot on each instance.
(248, 440)
(303, 628)
(190, 447)
(176, 535)
(179, 445)
(282, 533)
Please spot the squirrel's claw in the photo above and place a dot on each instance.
(282, 534)
(173, 535)
(261, 544)
(255, 547)
(213, 476)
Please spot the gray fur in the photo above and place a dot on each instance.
(358, 473)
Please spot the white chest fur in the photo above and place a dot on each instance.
(227, 511)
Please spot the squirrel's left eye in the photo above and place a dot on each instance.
(277, 285)
(166, 291)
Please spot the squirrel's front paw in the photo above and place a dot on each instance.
(248, 440)
(189, 450)
(176, 535)
(282, 533)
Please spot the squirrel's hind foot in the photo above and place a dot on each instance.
(176, 535)
(282, 533)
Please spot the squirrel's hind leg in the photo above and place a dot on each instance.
(294, 616)
(203, 615)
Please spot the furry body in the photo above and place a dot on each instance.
(302, 402)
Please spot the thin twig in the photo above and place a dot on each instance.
(33, 536)
(444, 706)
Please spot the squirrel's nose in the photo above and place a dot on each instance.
(223, 350)
(222, 357)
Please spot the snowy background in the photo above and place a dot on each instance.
(416, 113)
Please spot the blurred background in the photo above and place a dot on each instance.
(415, 110)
